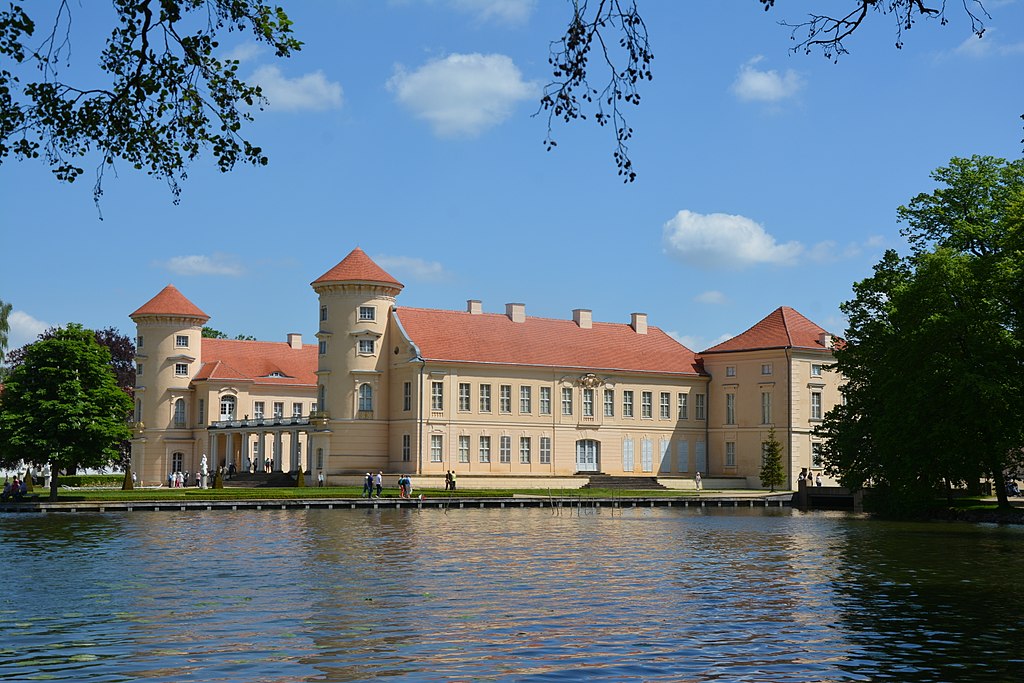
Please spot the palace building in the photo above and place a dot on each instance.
(501, 398)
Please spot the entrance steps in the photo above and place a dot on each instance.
(249, 480)
(607, 481)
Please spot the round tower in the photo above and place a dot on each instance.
(355, 301)
(168, 354)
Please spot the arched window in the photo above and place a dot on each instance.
(365, 398)
(227, 408)
(179, 413)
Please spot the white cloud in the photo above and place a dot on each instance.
(218, 264)
(724, 240)
(989, 45)
(311, 92)
(245, 52)
(752, 85)
(24, 329)
(462, 95)
(513, 12)
(428, 271)
(712, 296)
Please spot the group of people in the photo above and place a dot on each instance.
(178, 479)
(449, 480)
(809, 477)
(16, 489)
(373, 485)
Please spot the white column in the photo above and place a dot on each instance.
(278, 456)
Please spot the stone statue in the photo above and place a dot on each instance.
(203, 467)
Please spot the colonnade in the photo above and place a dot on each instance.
(297, 455)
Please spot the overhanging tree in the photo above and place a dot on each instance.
(62, 406)
(933, 356)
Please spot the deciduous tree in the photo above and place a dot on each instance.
(62, 406)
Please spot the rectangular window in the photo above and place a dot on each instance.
(436, 448)
(730, 370)
(296, 409)
(545, 450)
(367, 346)
(138, 341)
(815, 405)
(437, 395)
(817, 461)
(683, 456)
(485, 449)
(406, 448)
(464, 397)
(665, 408)
(323, 313)
(524, 450)
(627, 455)
(766, 368)
(698, 406)
(463, 448)
(682, 407)
(566, 401)
(525, 400)
(485, 398)
(646, 404)
(278, 408)
(545, 400)
(322, 348)
(627, 403)
(505, 398)
(368, 313)
(181, 369)
(766, 407)
(259, 409)
(665, 451)
(730, 409)
(588, 403)
(407, 396)
(730, 454)
(609, 403)
(138, 370)
(505, 449)
(181, 341)
(202, 411)
(646, 455)
(815, 370)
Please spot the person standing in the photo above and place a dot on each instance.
(453, 481)
(697, 481)
(379, 482)
(817, 479)
(320, 479)
(448, 480)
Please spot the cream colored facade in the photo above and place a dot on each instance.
(367, 397)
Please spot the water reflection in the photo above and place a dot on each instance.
(638, 594)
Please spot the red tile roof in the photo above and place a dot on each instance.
(782, 328)
(225, 359)
(492, 338)
(357, 267)
(170, 302)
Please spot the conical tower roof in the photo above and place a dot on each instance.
(170, 301)
(357, 267)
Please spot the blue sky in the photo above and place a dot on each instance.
(404, 127)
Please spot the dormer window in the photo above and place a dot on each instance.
(276, 373)
(367, 313)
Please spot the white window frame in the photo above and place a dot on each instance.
(609, 403)
(367, 313)
(647, 405)
(437, 395)
(588, 402)
(766, 368)
(505, 399)
(505, 450)
(463, 448)
(436, 448)
(367, 347)
(485, 449)
(566, 401)
(296, 409)
(278, 409)
(682, 406)
(525, 400)
(485, 398)
(181, 369)
(665, 406)
(816, 405)
(628, 455)
(699, 409)
(815, 369)
(545, 450)
(464, 396)
(730, 370)
(646, 455)
(766, 407)
(406, 396)
(406, 448)
(524, 450)
(730, 454)
(545, 401)
(365, 398)
(181, 341)
(627, 403)
(730, 408)
(259, 409)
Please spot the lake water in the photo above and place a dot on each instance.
(663, 594)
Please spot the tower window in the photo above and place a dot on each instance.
(368, 313)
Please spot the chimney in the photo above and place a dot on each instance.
(474, 306)
(826, 340)
(295, 340)
(516, 312)
(582, 317)
(639, 323)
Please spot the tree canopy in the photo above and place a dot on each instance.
(5, 326)
(934, 353)
(62, 406)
